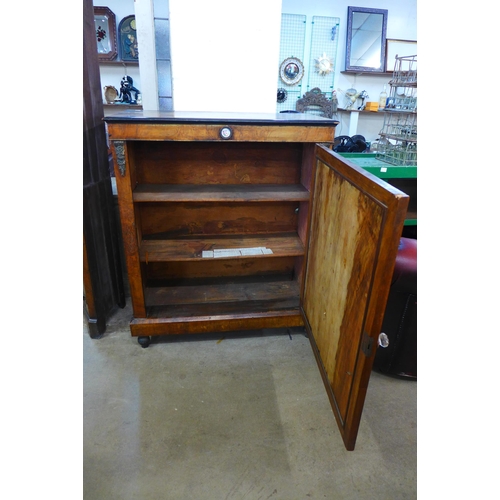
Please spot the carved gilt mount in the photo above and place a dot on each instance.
(315, 98)
(120, 156)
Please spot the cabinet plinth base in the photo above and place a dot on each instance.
(145, 327)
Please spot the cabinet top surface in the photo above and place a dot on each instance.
(144, 116)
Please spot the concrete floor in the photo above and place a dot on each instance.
(246, 417)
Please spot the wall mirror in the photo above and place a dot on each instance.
(366, 34)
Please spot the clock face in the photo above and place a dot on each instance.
(225, 133)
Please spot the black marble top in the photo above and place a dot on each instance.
(131, 115)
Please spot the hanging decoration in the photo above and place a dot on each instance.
(291, 70)
(129, 49)
(282, 95)
(324, 65)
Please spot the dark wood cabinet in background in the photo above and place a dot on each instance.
(102, 269)
(239, 222)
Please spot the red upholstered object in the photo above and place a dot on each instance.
(405, 269)
(400, 319)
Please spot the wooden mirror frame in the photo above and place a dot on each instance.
(350, 12)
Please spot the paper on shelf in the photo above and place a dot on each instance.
(235, 252)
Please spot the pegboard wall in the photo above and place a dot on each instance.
(292, 44)
(322, 33)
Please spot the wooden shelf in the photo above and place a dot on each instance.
(246, 301)
(342, 110)
(119, 63)
(218, 192)
(187, 249)
(368, 73)
(226, 293)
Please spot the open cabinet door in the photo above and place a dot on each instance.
(355, 228)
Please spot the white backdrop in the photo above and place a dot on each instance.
(225, 54)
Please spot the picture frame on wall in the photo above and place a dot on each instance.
(398, 48)
(129, 50)
(105, 30)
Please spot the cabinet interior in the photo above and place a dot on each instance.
(196, 197)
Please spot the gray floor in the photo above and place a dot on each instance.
(245, 417)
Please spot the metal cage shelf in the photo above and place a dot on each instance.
(398, 136)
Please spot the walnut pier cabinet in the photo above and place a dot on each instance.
(249, 221)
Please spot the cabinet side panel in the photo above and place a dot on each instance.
(125, 174)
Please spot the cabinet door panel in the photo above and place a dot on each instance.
(356, 223)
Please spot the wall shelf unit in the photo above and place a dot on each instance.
(367, 73)
(119, 63)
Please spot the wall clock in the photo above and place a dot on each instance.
(291, 70)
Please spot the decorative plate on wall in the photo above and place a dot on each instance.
(291, 70)
(105, 32)
(129, 50)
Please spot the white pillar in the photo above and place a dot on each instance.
(144, 19)
(353, 122)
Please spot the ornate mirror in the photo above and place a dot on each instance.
(366, 33)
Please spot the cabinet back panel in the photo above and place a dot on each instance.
(181, 219)
(220, 269)
(224, 163)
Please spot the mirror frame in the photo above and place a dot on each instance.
(350, 12)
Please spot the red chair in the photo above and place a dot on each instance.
(400, 320)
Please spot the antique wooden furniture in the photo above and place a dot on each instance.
(102, 269)
(234, 222)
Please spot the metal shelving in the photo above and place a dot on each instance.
(398, 137)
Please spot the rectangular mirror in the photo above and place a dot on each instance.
(366, 34)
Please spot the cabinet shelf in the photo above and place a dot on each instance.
(223, 294)
(218, 193)
(190, 249)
